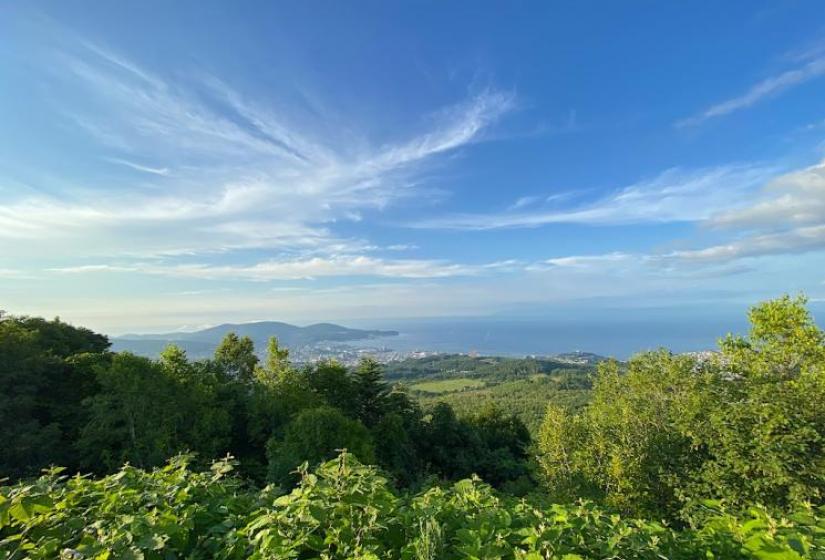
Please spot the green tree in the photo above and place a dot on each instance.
(175, 363)
(505, 442)
(332, 382)
(448, 446)
(746, 427)
(45, 373)
(395, 449)
(370, 392)
(763, 423)
(133, 417)
(314, 436)
(626, 447)
(271, 406)
(277, 364)
(205, 424)
(236, 356)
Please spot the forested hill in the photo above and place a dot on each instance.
(202, 343)
(445, 366)
(523, 386)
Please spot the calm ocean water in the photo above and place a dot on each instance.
(619, 334)
(518, 338)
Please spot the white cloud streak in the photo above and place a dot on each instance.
(796, 198)
(673, 196)
(302, 269)
(14, 274)
(787, 217)
(588, 261)
(244, 176)
(760, 91)
(797, 240)
(162, 171)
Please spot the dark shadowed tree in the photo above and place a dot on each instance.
(331, 381)
(133, 417)
(395, 449)
(316, 435)
(370, 391)
(449, 447)
(45, 373)
(505, 441)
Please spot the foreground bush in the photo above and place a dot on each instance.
(745, 426)
(347, 510)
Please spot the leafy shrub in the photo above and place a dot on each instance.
(344, 509)
(168, 512)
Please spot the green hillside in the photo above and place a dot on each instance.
(469, 384)
(666, 456)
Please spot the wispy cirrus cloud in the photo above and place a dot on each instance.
(163, 171)
(223, 172)
(785, 217)
(768, 87)
(675, 195)
(587, 261)
(299, 269)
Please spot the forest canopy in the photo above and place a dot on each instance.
(69, 401)
(715, 455)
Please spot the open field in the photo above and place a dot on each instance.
(528, 398)
(447, 385)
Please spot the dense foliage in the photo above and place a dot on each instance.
(671, 457)
(523, 386)
(497, 368)
(746, 426)
(45, 374)
(72, 402)
(526, 398)
(347, 510)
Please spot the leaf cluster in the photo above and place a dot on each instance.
(346, 510)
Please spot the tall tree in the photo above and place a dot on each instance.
(370, 391)
(204, 417)
(449, 447)
(133, 417)
(505, 441)
(277, 360)
(237, 357)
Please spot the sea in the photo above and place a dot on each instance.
(614, 333)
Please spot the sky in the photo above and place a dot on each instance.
(172, 165)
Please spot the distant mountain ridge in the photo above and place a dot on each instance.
(202, 343)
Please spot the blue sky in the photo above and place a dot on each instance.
(168, 165)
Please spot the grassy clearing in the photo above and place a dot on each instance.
(447, 385)
(528, 398)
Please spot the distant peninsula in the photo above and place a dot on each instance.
(202, 343)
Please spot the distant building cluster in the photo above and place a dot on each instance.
(351, 355)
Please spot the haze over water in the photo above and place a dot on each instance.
(614, 333)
